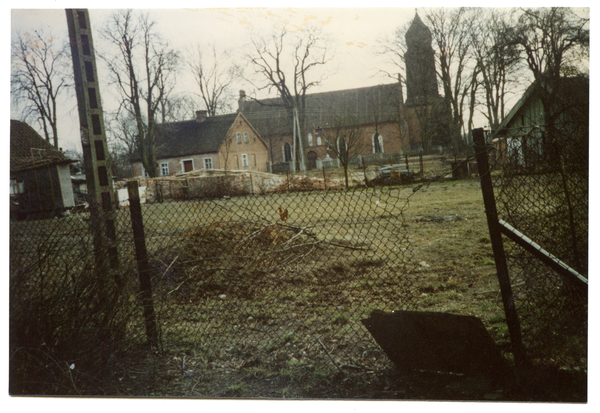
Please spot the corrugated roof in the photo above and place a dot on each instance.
(28, 150)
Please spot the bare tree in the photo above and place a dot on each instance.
(143, 71)
(291, 73)
(178, 107)
(39, 76)
(214, 73)
(225, 151)
(449, 29)
(344, 139)
(123, 141)
(554, 42)
(497, 65)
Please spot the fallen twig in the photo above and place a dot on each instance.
(329, 355)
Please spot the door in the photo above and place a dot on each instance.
(312, 160)
(188, 165)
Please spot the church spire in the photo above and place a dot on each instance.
(421, 82)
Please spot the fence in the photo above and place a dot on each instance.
(282, 274)
(540, 176)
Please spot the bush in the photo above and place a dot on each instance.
(67, 324)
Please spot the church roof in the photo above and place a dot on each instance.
(418, 32)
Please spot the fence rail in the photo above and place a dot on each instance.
(540, 176)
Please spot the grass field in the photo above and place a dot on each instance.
(289, 330)
(252, 306)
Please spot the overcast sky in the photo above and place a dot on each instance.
(354, 33)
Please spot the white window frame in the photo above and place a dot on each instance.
(208, 163)
(16, 187)
(244, 160)
(246, 137)
(380, 139)
(144, 172)
(164, 166)
(238, 136)
(310, 139)
(319, 143)
(283, 152)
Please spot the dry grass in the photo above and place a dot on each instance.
(253, 307)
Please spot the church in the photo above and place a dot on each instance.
(389, 125)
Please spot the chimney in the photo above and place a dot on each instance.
(201, 115)
(241, 101)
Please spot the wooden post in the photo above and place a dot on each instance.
(139, 241)
(421, 162)
(508, 299)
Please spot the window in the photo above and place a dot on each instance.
(207, 163)
(246, 137)
(244, 159)
(319, 143)
(16, 187)
(310, 139)
(145, 173)
(377, 141)
(238, 135)
(287, 152)
(254, 160)
(164, 169)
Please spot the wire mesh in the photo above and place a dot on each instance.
(294, 269)
(243, 270)
(541, 179)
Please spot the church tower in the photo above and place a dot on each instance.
(421, 82)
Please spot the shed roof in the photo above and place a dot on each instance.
(568, 97)
(28, 150)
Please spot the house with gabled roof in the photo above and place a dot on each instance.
(520, 135)
(40, 179)
(208, 142)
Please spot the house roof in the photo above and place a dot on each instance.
(192, 137)
(364, 105)
(28, 150)
(569, 99)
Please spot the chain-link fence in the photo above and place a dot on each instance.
(242, 271)
(252, 272)
(541, 180)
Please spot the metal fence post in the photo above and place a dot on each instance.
(487, 189)
(139, 240)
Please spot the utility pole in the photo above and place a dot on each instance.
(93, 140)
(300, 141)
